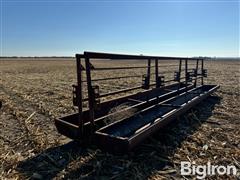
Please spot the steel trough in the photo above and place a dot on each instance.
(124, 135)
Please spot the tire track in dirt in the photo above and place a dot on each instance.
(26, 131)
(39, 125)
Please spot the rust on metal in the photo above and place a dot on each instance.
(148, 106)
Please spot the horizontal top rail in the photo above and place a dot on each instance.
(98, 55)
(116, 68)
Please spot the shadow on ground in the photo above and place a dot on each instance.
(70, 161)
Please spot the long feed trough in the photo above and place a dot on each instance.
(124, 135)
(146, 108)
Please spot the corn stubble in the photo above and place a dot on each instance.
(35, 92)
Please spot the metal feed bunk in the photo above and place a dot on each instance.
(150, 106)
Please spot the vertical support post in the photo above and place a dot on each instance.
(196, 76)
(79, 93)
(180, 70)
(156, 74)
(186, 71)
(202, 72)
(148, 73)
(91, 98)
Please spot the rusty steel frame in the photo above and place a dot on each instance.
(118, 144)
(86, 123)
(92, 55)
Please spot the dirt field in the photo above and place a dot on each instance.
(34, 92)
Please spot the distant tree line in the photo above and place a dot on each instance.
(36, 57)
(218, 58)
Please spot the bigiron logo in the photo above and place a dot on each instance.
(202, 171)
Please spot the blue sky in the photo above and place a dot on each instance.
(167, 28)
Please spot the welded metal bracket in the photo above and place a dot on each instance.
(91, 66)
(96, 94)
(160, 81)
(194, 73)
(189, 76)
(176, 76)
(145, 81)
(204, 72)
(76, 99)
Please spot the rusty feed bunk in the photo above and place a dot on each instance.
(149, 106)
